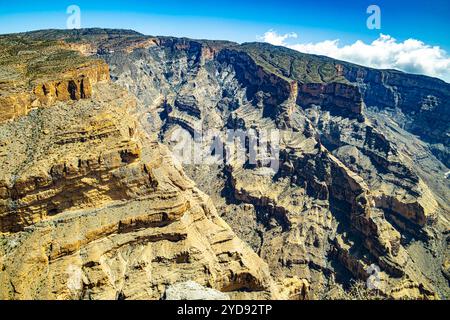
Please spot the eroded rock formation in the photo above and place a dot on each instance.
(348, 194)
(89, 190)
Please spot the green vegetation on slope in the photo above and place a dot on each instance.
(294, 65)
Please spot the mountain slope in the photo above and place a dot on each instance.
(93, 208)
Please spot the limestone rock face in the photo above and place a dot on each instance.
(37, 73)
(93, 206)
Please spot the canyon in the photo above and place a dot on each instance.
(93, 204)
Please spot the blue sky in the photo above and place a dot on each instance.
(312, 21)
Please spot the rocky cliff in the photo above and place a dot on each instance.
(88, 184)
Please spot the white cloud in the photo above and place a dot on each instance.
(411, 55)
(276, 39)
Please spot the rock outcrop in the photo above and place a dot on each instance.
(37, 73)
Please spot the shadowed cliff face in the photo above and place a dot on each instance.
(363, 178)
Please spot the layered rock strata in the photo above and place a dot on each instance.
(92, 208)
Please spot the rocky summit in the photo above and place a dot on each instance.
(94, 204)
